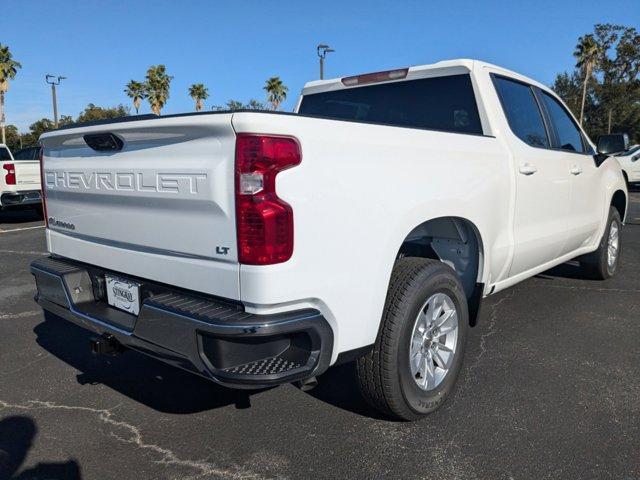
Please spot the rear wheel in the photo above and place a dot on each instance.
(418, 353)
(603, 263)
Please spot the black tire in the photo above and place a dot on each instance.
(595, 264)
(384, 375)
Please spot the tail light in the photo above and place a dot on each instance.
(10, 177)
(42, 191)
(264, 221)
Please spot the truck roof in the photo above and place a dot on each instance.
(444, 67)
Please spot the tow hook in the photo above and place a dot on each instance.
(106, 345)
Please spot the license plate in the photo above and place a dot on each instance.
(123, 294)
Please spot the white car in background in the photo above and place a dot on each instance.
(629, 160)
(19, 181)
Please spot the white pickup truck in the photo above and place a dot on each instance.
(630, 163)
(257, 248)
(19, 181)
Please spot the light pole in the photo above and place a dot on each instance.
(53, 81)
(322, 51)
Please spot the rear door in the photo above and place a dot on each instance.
(542, 179)
(587, 200)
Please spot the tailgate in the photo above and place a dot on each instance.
(27, 174)
(160, 205)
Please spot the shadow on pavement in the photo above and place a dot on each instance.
(17, 434)
(338, 386)
(170, 390)
(20, 215)
(571, 270)
(146, 380)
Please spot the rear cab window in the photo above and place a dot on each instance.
(4, 154)
(30, 153)
(444, 103)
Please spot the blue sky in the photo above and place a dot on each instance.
(234, 46)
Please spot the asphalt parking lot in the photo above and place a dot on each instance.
(550, 389)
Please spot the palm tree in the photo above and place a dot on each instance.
(137, 92)
(276, 92)
(198, 92)
(157, 87)
(587, 53)
(8, 70)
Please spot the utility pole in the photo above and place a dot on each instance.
(322, 51)
(54, 81)
(609, 128)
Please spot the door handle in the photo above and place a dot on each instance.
(576, 170)
(528, 169)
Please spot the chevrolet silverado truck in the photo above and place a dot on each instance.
(258, 248)
(19, 181)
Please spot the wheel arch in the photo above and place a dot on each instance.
(456, 241)
(619, 202)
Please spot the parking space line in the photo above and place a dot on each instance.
(572, 287)
(31, 313)
(21, 252)
(20, 229)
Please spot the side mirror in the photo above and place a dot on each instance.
(613, 143)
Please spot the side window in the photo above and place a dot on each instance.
(567, 132)
(522, 111)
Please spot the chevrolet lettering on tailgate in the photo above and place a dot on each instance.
(188, 183)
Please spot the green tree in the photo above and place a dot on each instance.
(137, 92)
(276, 92)
(8, 71)
(254, 104)
(92, 113)
(198, 92)
(157, 85)
(42, 126)
(568, 87)
(612, 99)
(232, 105)
(13, 138)
(587, 54)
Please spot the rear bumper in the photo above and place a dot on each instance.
(211, 337)
(17, 199)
